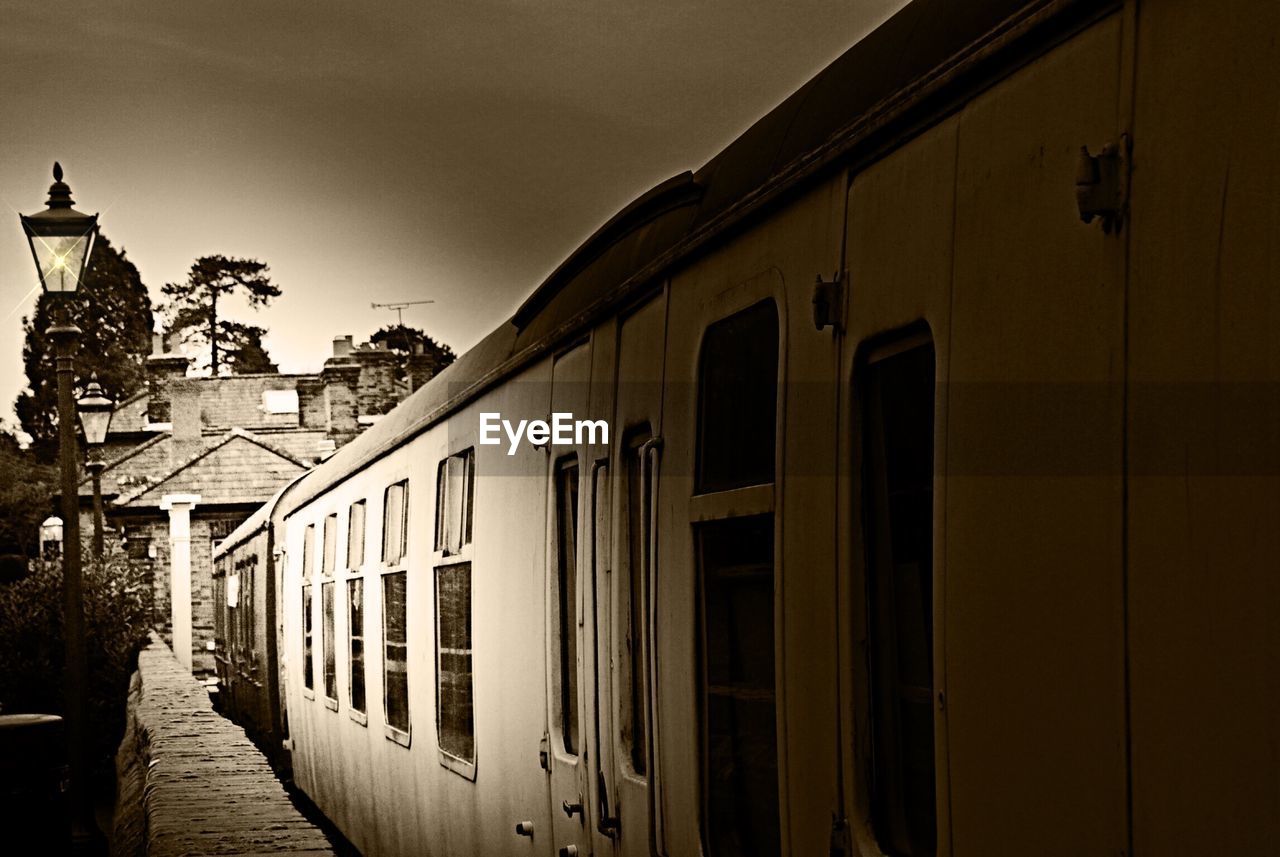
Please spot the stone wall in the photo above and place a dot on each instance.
(191, 783)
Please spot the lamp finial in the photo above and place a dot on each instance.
(57, 171)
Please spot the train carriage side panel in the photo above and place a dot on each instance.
(1204, 429)
(1034, 597)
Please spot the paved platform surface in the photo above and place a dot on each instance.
(191, 783)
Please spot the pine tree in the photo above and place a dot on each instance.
(192, 311)
(113, 311)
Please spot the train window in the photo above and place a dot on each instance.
(395, 509)
(455, 482)
(395, 644)
(308, 548)
(455, 726)
(566, 487)
(328, 642)
(736, 438)
(897, 509)
(637, 609)
(355, 630)
(330, 545)
(308, 664)
(738, 400)
(740, 735)
(355, 535)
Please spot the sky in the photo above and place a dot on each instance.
(376, 152)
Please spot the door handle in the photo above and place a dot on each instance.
(610, 826)
(571, 809)
(525, 828)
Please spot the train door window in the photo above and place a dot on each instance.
(565, 602)
(308, 557)
(737, 414)
(737, 400)
(328, 645)
(455, 482)
(395, 643)
(636, 612)
(355, 628)
(221, 615)
(456, 724)
(455, 680)
(246, 598)
(395, 652)
(897, 510)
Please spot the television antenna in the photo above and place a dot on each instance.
(399, 308)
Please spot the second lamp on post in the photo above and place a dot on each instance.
(95, 417)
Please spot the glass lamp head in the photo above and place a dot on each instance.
(61, 238)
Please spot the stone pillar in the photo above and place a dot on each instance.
(179, 507)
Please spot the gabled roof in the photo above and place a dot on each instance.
(238, 467)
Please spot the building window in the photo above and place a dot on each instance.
(565, 600)
(355, 628)
(455, 681)
(897, 509)
(355, 536)
(280, 401)
(737, 413)
(456, 725)
(395, 510)
(395, 646)
(455, 482)
(308, 560)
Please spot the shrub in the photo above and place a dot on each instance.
(117, 617)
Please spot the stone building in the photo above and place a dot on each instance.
(189, 458)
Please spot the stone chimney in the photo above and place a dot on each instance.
(378, 390)
(340, 381)
(184, 408)
(313, 413)
(163, 367)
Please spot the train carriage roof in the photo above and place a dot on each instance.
(906, 73)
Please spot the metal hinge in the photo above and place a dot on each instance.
(544, 752)
(1102, 184)
(840, 844)
(828, 303)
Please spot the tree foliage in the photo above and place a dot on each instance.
(117, 614)
(26, 494)
(113, 311)
(406, 341)
(193, 314)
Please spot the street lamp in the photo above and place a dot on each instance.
(95, 416)
(60, 239)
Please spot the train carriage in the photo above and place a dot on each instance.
(936, 513)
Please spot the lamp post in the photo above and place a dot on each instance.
(95, 417)
(60, 239)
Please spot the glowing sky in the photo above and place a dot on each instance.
(398, 150)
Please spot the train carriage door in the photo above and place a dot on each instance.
(981, 611)
(570, 707)
(890, 595)
(629, 384)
